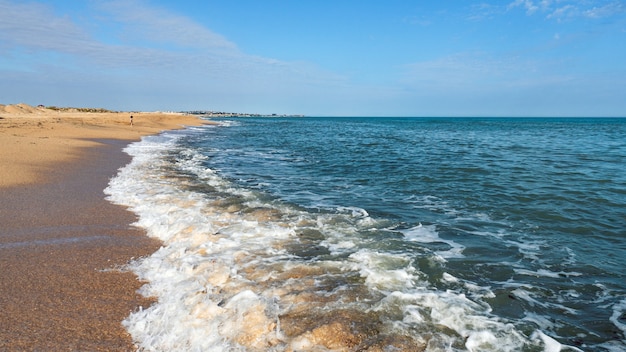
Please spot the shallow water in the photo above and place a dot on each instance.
(374, 233)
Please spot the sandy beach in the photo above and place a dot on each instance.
(61, 243)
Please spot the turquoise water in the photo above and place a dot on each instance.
(445, 233)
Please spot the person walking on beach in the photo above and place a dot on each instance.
(131, 120)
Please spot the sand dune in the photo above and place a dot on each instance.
(23, 109)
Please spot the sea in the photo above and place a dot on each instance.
(381, 234)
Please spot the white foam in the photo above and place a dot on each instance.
(547, 273)
(526, 295)
(541, 321)
(529, 249)
(449, 278)
(618, 312)
(226, 123)
(186, 273)
(429, 234)
(455, 311)
(385, 272)
(354, 211)
(550, 344)
(223, 277)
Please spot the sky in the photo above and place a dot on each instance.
(322, 57)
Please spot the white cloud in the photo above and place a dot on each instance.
(564, 12)
(160, 26)
(151, 56)
(148, 57)
(607, 10)
(35, 29)
(35, 25)
(483, 11)
(527, 4)
(570, 9)
(153, 39)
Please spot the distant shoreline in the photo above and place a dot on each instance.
(235, 114)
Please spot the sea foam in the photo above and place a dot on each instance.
(241, 271)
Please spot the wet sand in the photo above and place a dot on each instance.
(62, 245)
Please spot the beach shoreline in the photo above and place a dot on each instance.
(62, 245)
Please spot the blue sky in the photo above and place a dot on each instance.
(382, 58)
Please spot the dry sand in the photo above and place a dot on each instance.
(60, 241)
(35, 140)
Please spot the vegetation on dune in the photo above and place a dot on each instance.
(101, 110)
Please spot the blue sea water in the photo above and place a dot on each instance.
(443, 234)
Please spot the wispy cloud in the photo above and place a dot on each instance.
(156, 25)
(152, 38)
(157, 49)
(136, 52)
(564, 12)
(35, 25)
(484, 11)
(35, 29)
(559, 10)
(606, 10)
(529, 5)
(564, 9)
